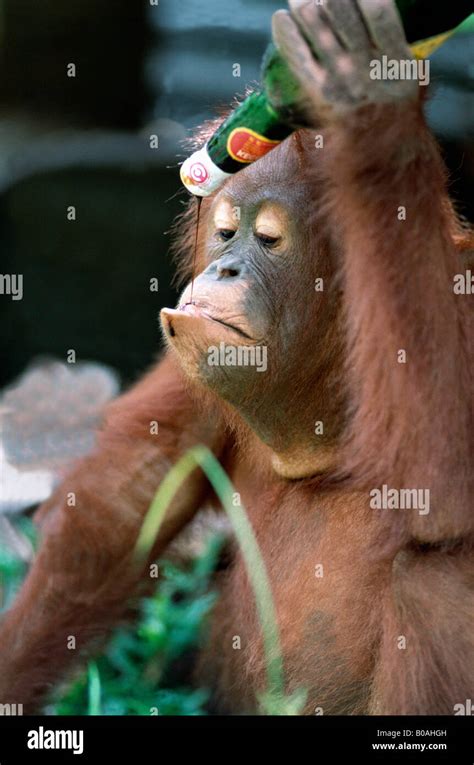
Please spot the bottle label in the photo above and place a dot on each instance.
(196, 174)
(200, 175)
(245, 145)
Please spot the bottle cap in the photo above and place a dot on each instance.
(200, 175)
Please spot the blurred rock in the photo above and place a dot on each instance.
(48, 418)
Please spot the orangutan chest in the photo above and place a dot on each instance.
(322, 594)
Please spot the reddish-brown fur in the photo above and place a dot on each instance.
(386, 573)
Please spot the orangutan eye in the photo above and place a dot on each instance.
(225, 234)
(267, 240)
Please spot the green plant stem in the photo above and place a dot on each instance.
(94, 688)
(200, 456)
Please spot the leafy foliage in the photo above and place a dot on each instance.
(136, 674)
(140, 670)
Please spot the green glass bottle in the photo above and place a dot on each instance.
(257, 125)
